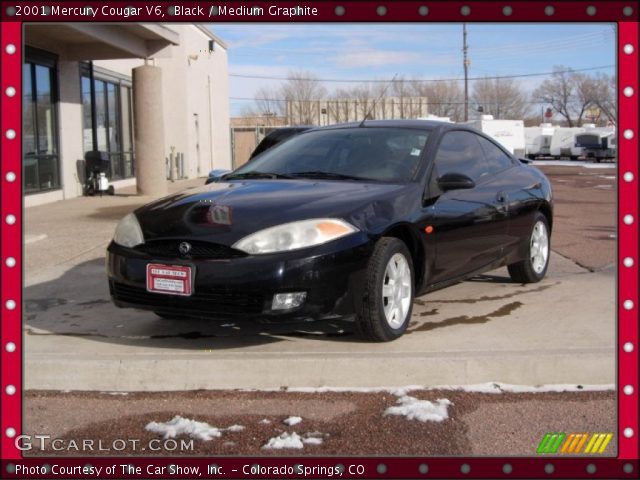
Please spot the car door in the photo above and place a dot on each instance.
(469, 225)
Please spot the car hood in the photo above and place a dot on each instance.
(225, 212)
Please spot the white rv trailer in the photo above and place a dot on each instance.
(510, 133)
(563, 142)
(538, 140)
(598, 143)
(435, 117)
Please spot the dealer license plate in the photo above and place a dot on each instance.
(169, 279)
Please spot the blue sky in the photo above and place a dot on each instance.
(378, 51)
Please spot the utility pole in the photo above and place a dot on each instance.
(466, 64)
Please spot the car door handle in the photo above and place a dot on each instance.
(501, 197)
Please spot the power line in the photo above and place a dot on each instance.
(336, 80)
(352, 100)
(490, 50)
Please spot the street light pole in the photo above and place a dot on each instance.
(466, 64)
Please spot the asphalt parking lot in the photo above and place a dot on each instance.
(559, 332)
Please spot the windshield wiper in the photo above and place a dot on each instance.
(330, 175)
(269, 175)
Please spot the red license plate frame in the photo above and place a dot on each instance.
(169, 279)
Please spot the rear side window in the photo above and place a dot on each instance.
(460, 152)
(497, 160)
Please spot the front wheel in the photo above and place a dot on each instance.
(388, 296)
(533, 268)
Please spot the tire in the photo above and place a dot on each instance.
(389, 255)
(533, 268)
(111, 190)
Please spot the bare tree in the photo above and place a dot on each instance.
(445, 98)
(267, 107)
(500, 97)
(303, 92)
(401, 89)
(605, 95)
(568, 92)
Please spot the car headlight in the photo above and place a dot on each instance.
(128, 232)
(295, 235)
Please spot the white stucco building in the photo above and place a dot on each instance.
(81, 93)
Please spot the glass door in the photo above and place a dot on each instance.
(39, 139)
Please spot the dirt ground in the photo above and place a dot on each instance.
(585, 214)
(348, 423)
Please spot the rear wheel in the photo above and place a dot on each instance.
(388, 296)
(533, 268)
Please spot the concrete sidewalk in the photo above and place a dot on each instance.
(561, 330)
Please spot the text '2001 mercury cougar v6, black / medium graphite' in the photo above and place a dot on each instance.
(351, 220)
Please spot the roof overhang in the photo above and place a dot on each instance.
(88, 41)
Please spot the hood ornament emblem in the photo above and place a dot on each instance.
(184, 248)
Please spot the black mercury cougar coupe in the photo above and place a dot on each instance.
(351, 220)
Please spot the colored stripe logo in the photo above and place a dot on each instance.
(574, 443)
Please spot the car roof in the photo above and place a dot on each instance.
(420, 124)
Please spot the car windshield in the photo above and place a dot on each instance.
(369, 153)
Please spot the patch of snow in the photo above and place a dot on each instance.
(489, 387)
(571, 163)
(422, 410)
(265, 421)
(312, 441)
(284, 440)
(235, 428)
(115, 393)
(496, 387)
(292, 421)
(184, 426)
(228, 325)
(399, 391)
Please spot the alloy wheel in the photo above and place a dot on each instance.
(396, 290)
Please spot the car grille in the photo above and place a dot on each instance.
(199, 249)
(210, 302)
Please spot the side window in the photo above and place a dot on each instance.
(497, 160)
(460, 152)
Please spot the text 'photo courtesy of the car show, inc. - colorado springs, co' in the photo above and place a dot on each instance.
(319, 239)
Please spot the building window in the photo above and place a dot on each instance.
(40, 162)
(107, 126)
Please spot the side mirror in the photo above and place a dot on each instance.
(455, 181)
(215, 175)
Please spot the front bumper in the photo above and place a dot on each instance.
(332, 276)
